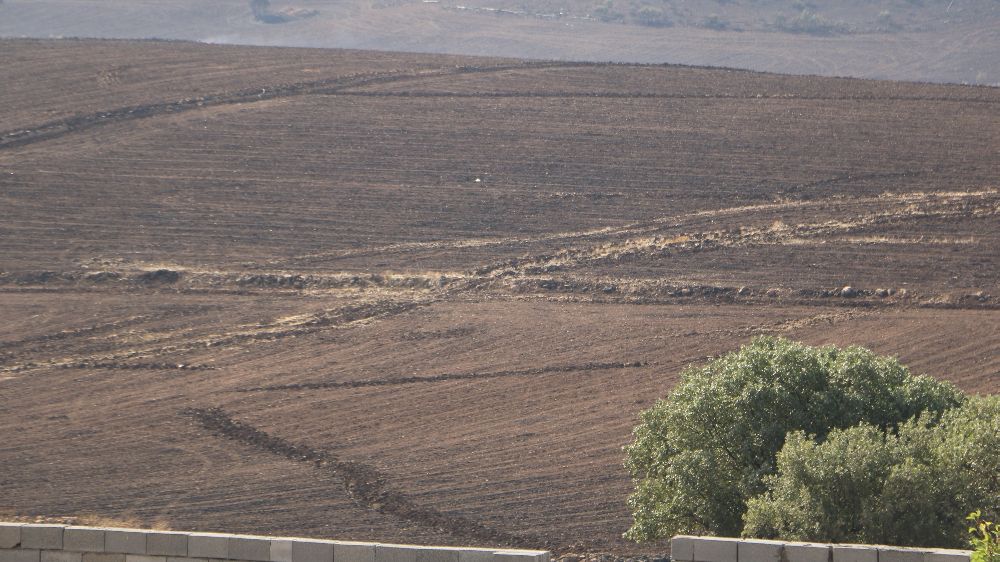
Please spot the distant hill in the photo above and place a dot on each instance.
(918, 40)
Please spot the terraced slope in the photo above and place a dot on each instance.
(419, 298)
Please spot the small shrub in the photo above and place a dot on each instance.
(651, 16)
(606, 12)
(714, 21)
(808, 21)
(985, 539)
(884, 22)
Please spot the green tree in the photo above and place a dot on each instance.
(865, 485)
(702, 453)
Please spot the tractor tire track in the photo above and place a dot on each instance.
(61, 127)
(635, 228)
(978, 205)
(365, 485)
(43, 340)
(559, 369)
(307, 324)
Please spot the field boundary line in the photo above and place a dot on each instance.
(365, 485)
(54, 129)
(367, 383)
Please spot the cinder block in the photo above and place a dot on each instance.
(889, 554)
(515, 556)
(144, 558)
(475, 555)
(807, 552)
(395, 553)
(42, 536)
(353, 552)
(19, 555)
(125, 541)
(167, 544)
(208, 545)
(250, 548)
(83, 539)
(437, 555)
(61, 556)
(682, 548)
(103, 557)
(312, 551)
(715, 549)
(942, 555)
(759, 551)
(854, 553)
(281, 550)
(10, 535)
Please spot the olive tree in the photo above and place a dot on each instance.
(863, 484)
(699, 455)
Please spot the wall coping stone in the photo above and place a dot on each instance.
(117, 544)
(687, 548)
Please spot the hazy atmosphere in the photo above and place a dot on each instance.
(922, 40)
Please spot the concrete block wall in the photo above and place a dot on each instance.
(718, 549)
(20, 542)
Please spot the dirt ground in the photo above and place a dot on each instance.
(419, 298)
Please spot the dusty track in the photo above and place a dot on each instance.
(366, 485)
(561, 369)
(331, 86)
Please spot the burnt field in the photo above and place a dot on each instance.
(422, 298)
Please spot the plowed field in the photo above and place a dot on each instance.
(423, 298)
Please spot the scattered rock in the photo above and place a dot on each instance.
(159, 276)
(773, 292)
(882, 293)
(685, 292)
(744, 291)
(849, 292)
(103, 276)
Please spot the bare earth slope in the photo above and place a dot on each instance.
(423, 298)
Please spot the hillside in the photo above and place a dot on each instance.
(242, 286)
(926, 40)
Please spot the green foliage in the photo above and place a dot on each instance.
(824, 489)
(701, 454)
(808, 21)
(985, 540)
(714, 21)
(606, 12)
(884, 22)
(865, 485)
(652, 16)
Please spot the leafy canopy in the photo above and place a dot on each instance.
(701, 454)
(864, 485)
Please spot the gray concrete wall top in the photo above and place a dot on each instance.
(25, 542)
(684, 548)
